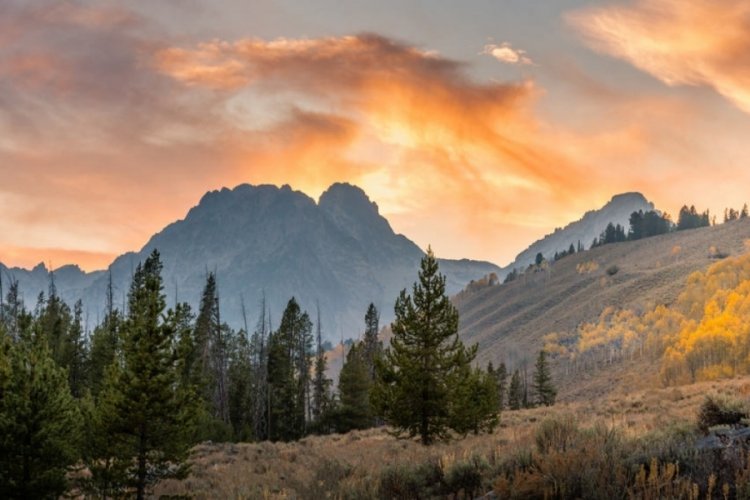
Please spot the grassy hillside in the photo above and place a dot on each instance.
(372, 464)
(509, 321)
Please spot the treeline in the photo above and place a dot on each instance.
(125, 403)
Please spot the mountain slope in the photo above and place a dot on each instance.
(277, 242)
(584, 230)
(508, 321)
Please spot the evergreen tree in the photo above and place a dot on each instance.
(240, 387)
(259, 351)
(145, 414)
(211, 346)
(372, 347)
(39, 422)
(543, 387)
(415, 389)
(515, 392)
(475, 405)
(288, 376)
(104, 342)
(321, 384)
(744, 213)
(501, 377)
(354, 411)
(539, 259)
(76, 356)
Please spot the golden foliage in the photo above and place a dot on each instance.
(704, 335)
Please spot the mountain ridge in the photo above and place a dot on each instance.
(272, 242)
(616, 211)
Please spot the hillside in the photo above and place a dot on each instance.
(584, 230)
(508, 321)
(338, 252)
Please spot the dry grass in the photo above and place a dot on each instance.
(510, 321)
(306, 469)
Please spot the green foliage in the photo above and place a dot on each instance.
(322, 398)
(211, 350)
(542, 384)
(611, 234)
(475, 406)
(647, 224)
(424, 372)
(40, 423)
(515, 392)
(144, 409)
(289, 360)
(689, 218)
(354, 411)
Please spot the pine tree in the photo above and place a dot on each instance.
(475, 404)
(501, 379)
(40, 423)
(104, 342)
(413, 389)
(240, 377)
(321, 384)
(371, 346)
(76, 357)
(288, 376)
(146, 417)
(211, 347)
(515, 392)
(543, 388)
(259, 350)
(354, 391)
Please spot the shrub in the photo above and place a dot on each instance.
(556, 433)
(612, 270)
(466, 477)
(407, 482)
(326, 479)
(717, 410)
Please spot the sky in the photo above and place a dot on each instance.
(476, 126)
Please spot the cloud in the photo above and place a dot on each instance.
(422, 137)
(505, 53)
(110, 128)
(697, 43)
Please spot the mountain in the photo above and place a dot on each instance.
(584, 230)
(509, 321)
(339, 253)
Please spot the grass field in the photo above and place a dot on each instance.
(357, 464)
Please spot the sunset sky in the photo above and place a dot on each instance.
(477, 126)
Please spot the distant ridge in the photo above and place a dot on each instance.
(588, 227)
(274, 242)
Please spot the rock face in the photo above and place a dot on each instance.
(590, 226)
(266, 240)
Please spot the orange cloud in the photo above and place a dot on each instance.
(110, 130)
(409, 125)
(699, 42)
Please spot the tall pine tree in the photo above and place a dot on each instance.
(415, 387)
(145, 414)
(289, 359)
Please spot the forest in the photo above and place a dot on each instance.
(115, 412)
